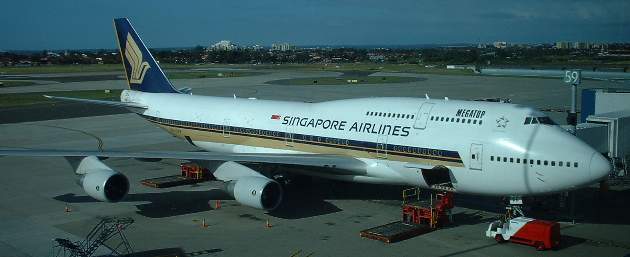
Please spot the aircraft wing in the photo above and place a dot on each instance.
(100, 102)
(336, 164)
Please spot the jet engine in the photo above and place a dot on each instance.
(101, 182)
(257, 192)
(247, 186)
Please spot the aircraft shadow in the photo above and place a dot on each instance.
(176, 251)
(308, 197)
(163, 204)
(590, 206)
(569, 241)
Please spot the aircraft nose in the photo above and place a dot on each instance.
(600, 167)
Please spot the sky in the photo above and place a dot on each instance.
(87, 24)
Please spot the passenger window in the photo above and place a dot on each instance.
(569, 164)
(546, 163)
(412, 116)
(367, 113)
(553, 163)
(575, 165)
(474, 121)
(531, 162)
(492, 158)
(504, 159)
(398, 115)
(560, 163)
(480, 122)
(511, 159)
(538, 162)
(528, 120)
(473, 156)
(469, 121)
(518, 160)
(524, 161)
(463, 120)
(431, 117)
(441, 118)
(389, 115)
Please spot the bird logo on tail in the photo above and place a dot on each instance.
(134, 57)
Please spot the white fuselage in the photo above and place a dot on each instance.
(484, 145)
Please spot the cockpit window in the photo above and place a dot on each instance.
(539, 120)
(546, 120)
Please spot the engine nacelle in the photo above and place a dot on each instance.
(257, 192)
(101, 182)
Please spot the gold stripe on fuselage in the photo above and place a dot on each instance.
(274, 142)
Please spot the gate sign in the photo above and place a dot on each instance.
(572, 77)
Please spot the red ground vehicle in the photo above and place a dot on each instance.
(435, 214)
(541, 234)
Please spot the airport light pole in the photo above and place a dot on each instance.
(573, 78)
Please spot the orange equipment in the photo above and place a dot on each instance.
(436, 214)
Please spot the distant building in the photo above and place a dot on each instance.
(256, 47)
(562, 45)
(282, 47)
(482, 46)
(375, 57)
(581, 45)
(223, 45)
(601, 46)
(500, 44)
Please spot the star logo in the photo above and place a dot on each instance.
(502, 122)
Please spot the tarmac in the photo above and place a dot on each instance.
(40, 199)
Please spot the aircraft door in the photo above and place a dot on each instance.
(423, 115)
(381, 146)
(288, 135)
(226, 128)
(476, 156)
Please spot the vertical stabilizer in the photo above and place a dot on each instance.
(143, 72)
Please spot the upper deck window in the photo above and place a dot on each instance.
(539, 120)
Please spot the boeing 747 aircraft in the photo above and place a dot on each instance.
(460, 146)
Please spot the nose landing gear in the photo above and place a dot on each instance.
(514, 208)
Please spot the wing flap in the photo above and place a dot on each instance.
(337, 164)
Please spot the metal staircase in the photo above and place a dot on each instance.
(104, 232)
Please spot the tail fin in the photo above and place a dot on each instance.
(143, 72)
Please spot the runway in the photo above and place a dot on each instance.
(322, 218)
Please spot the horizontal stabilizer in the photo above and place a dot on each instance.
(100, 102)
